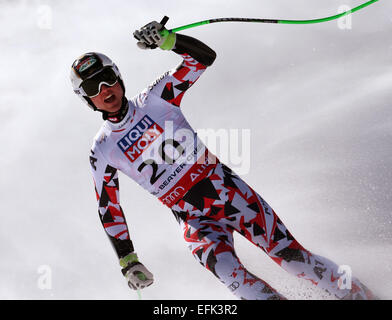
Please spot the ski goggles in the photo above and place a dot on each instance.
(92, 86)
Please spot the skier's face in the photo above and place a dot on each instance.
(109, 99)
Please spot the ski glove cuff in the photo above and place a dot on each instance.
(170, 42)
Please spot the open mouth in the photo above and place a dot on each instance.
(110, 98)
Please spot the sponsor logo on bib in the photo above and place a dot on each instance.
(139, 138)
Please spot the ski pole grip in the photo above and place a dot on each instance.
(164, 32)
(164, 20)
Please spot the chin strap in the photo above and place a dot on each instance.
(119, 115)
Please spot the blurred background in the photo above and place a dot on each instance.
(316, 99)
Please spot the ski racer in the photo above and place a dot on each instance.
(150, 141)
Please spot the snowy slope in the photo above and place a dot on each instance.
(315, 98)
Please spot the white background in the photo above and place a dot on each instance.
(316, 98)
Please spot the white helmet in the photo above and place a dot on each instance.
(86, 67)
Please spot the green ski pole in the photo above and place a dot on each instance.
(164, 32)
(142, 277)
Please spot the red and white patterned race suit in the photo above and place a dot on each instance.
(223, 203)
(156, 147)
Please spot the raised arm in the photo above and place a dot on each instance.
(196, 55)
(195, 48)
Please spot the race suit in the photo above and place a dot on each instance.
(155, 146)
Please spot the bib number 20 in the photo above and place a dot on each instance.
(165, 157)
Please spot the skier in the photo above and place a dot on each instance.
(149, 140)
